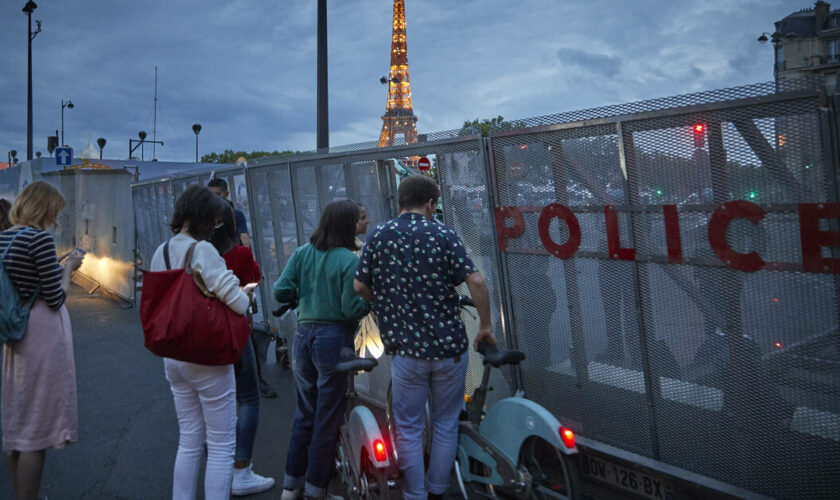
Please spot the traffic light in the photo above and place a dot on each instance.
(52, 143)
(699, 130)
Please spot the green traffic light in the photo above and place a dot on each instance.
(752, 195)
(658, 192)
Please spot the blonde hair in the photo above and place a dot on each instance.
(38, 206)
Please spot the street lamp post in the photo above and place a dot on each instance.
(322, 106)
(196, 129)
(68, 105)
(30, 35)
(101, 142)
(131, 147)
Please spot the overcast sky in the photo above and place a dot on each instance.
(245, 69)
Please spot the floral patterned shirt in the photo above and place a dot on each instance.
(412, 265)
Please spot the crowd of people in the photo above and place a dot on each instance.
(402, 279)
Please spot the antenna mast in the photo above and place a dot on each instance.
(154, 125)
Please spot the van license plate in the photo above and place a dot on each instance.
(629, 480)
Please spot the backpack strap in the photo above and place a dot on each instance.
(3, 257)
(166, 255)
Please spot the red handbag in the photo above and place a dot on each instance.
(183, 320)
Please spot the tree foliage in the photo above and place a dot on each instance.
(230, 156)
(487, 125)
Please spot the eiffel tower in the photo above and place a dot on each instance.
(399, 116)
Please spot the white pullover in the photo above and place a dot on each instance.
(207, 262)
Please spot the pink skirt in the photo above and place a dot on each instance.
(38, 404)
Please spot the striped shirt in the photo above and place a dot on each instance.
(32, 261)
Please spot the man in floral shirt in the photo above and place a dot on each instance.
(409, 269)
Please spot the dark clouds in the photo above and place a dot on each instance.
(599, 64)
(246, 70)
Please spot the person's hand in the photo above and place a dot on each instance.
(74, 261)
(485, 334)
(249, 289)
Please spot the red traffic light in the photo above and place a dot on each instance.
(699, 134)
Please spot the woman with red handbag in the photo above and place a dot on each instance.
(240, 260)
(205, 395)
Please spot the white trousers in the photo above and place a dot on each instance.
(205, 401)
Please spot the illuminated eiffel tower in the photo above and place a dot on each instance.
(399, 116)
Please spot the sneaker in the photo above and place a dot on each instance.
(291, 494)
(246, 482)
(267, 391)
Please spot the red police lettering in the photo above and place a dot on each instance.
(613, 241)
(504, 232)
(568, 249)
(813, 238)
(672, 234)
(720, 220)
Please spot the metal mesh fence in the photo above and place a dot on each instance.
(299, 190)
(646, 337)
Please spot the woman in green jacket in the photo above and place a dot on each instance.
(319, 277)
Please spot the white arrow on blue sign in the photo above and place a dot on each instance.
(63, 157)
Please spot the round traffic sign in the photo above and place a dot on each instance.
(424, 164)
(516, 168)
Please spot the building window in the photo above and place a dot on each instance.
(833, 50)
(780, 57)
(831, 83)
(834, 21)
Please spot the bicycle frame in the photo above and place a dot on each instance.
(495, 440)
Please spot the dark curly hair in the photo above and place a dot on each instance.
(5, 207)
(337, 227)
(201, 209)
(225, 237)
(415, 191)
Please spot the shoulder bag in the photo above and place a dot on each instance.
(183, 320)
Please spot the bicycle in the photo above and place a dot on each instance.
(365, 461)
(516, 449)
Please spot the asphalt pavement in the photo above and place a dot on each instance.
(128, 431)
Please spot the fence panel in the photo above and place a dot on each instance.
(643, 334)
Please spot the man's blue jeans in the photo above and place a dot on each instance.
(442, 383)
(321, 399)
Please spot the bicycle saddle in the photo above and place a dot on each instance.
(352, 363)
(493, 356)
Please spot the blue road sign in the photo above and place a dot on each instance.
(63, 156)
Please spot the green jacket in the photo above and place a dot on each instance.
(322, 284)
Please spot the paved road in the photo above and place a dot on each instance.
(128, 432)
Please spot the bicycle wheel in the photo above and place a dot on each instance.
(551, 473)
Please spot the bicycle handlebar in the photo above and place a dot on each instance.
(283, 309)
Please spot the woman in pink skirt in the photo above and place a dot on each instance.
(38, 405)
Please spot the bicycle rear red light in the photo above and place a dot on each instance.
(567, 436)
(379, 450)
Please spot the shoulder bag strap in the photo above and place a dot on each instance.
(197, 279)
(166, 255)
(188, 259)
